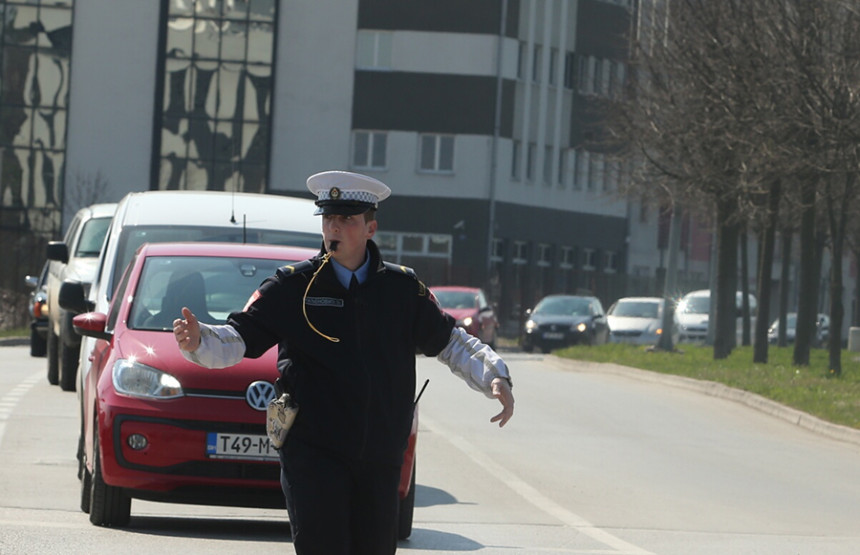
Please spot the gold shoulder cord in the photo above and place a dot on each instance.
(326, 256)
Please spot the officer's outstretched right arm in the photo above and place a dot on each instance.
(207, 345)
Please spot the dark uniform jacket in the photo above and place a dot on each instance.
(355, 396)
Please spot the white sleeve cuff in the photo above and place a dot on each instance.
(220, 347)
(474, 362)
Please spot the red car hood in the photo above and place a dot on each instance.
(159, 350)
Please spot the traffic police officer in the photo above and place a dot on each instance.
(348, 326)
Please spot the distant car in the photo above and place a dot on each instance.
(160, 428)
(693, 313)
(822, 329)
(469, 306)
(638, 320)
(561, 320)
(37, 309)
(74, 258)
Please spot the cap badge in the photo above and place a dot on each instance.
(334, 193)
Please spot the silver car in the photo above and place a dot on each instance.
(638, 320)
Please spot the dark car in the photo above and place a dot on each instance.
(561, 320)
(38, 311)
(160, 428)
(469, 306)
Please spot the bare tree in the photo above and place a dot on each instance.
(88, 188)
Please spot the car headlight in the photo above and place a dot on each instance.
(467, 322)
(139, 380)
(581, 327)
(530, 325)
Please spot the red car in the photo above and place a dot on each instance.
(158, 427)
(469, 306)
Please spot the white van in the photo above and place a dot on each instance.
(165, 216)
(693, 312)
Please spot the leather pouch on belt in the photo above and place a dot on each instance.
(280, 415)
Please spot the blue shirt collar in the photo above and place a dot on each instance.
(344, 275)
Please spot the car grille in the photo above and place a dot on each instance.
(626, 333)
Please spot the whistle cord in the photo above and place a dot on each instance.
(326, 256)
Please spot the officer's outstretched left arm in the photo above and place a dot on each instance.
(482, 368)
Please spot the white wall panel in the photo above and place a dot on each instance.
(112, 94)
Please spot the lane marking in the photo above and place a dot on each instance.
(532, 495)
(11, 399)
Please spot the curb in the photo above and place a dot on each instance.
(14, 341)
(714, 389)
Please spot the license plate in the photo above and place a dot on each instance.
(240, 446)
(553, 335)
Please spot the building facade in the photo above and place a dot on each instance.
(483, 116)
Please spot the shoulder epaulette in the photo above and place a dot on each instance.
(298, 267)
(400, 269)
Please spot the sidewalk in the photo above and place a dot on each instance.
(794, 416)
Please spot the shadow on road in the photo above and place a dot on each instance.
(433, 540)
(212, 528)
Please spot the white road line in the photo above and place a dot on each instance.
(532, 495)
(11, 399)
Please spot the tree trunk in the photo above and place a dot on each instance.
(725, 323)
(838, 216)
(784, 279)
(764, 274)
(808, 289)
(745, 290)
(665, 341)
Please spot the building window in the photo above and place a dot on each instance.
(522, 58)
(553, 62)
(595, 172)
(610, 262)
(530, 162)
(216, 97)
(570, 171)
(536, 63)
(368, 149)
(585, 74)
(588, 259)
(437, 153)
(613, 172)
(521, 253)
(544, 255)
(424, 244)
(597, 76)
(547, 164)
(569, 65)
(515, 160)
(373, 49)
(567, 258)
(35, 56)
(582, 168)
(562, 166)
(498, 254)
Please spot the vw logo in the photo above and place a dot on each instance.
(259, 394)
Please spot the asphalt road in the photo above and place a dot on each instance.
(597, 459)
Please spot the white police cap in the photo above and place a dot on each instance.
(346, 193)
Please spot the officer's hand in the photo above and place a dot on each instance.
(502, 392)
(187, 331)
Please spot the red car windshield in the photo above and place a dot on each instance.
(212, 287)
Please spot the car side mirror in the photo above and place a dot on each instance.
(73, 298)
(57, 250)
(92, 324)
